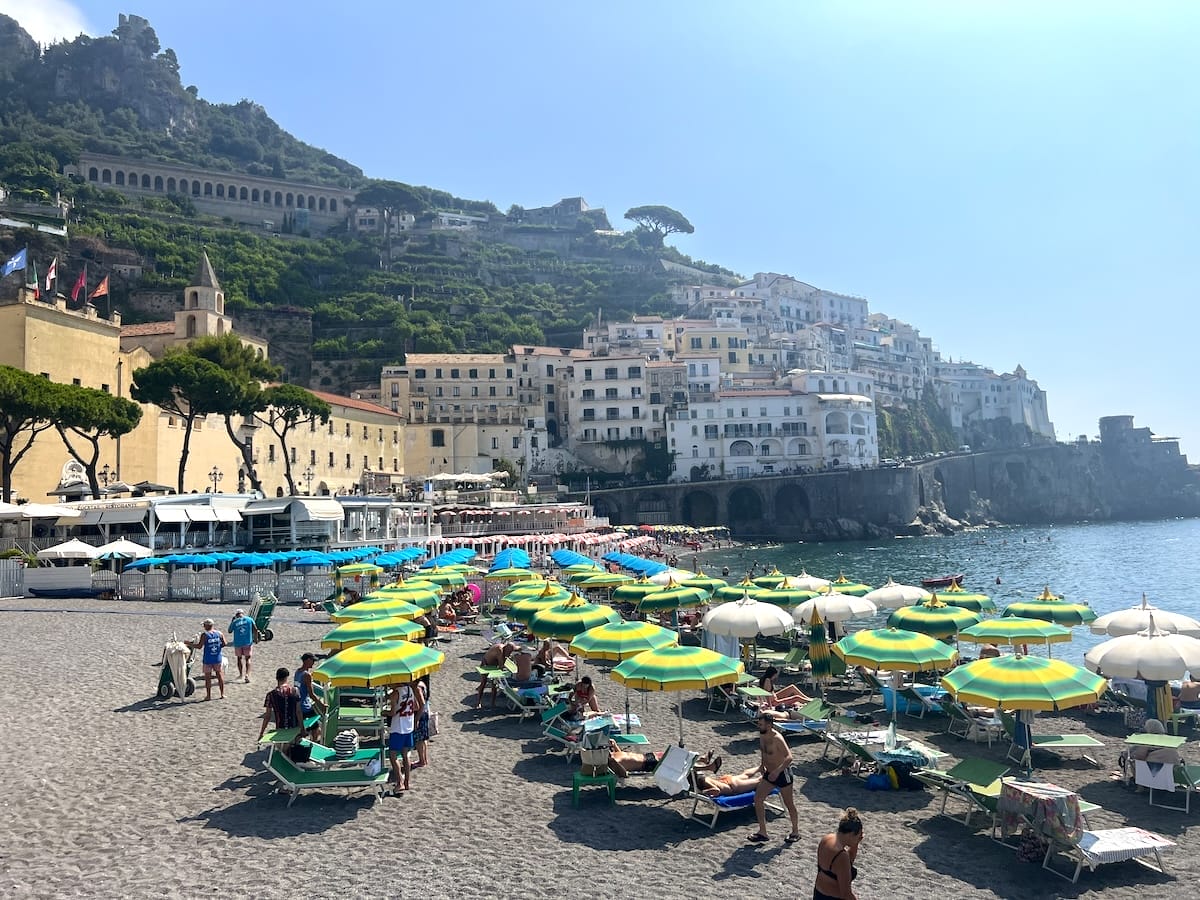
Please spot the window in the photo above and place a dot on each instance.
(437, 437)
(347, 460)
(454, 373)
(714, 343)
(437, 373)
(733, 343)
(104, 387)
(635, 371)
(492, 391)
(509, 391)
(366, 463)
(474, 390)
(437, 391)
(589, 414)
(312, 457)
(495, 443)
(697, 343)
(732, 357)
(270, 453)
(635, 392)
(293, 455)
(703, 369)
(76, 382)
(612, 412)
(366, 432)
(347, 429)
(637, 412)
(610, 374)
(456, 391)
(549, 371)
(491, 373)
(418, 373)
(695, 452)
(695, 430)
(610, 393)
(331, 459)
(516, 443)
(588, 394)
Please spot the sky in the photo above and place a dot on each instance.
(1017, 179)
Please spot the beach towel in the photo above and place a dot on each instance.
(1159, 776)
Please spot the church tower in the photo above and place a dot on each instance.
(203, 313)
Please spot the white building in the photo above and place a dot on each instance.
(971, 393)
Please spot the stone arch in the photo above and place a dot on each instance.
(132, 180)
(208, 189)
(312, 202)
(699, 508)
(606, 508)
(279, 492)
(191, 327)
(221, 191)
(243, 195)
(195, 188)
(837, 423)
(193, 299)
(746, 510)
(220, 326)
(260, 353)
(653, 508)
(332, 205)
(183, 185)
(860, 448)
(858, 423)
(288, 199)
(300, 201)
(741, 448)
(322, 488)
(278, 199)
(146, 183)
(158, 183)
(770, 447)
(231, 192)
(120, 178)
(106, 176)
(321, 204)
(93, 174)
(792, 506)
(797, 447)
(254, 196)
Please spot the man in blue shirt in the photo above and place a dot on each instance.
(211, 642)
(245, 636)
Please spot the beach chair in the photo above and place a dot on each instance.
(976, 781)
(962, 724)
(1108, 845)
(813, 718)
(673, 775)
(293, 779)
(1168, 779)
(564, 734)
(527, 701)
(913, 697)
(724, 696)
(710, 809)
(1055, 742)
(794, 660)
(871, 682)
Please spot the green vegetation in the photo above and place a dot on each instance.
(910, 431)
(656, 222)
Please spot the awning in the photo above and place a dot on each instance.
(123, 515)
(171, 514)
(202, 514)
(318, 509)
(89, 517)
(266, 507)
(227, 514)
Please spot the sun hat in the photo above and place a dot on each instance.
(209, 622)
(240, 612)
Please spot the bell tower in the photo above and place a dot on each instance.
(203, 313)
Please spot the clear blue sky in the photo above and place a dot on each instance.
(1017, 179)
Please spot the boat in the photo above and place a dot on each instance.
(942, 581)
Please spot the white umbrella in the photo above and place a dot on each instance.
(123, 549)
(747, 618)
(72, 549)
(668, 575)
(806, 582)
(1137, 618)
(833, 607)
(894, 596)
(1151, 655)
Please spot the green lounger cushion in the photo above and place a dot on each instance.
(289, 773)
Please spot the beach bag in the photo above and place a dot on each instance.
(435, 724)
(373, 768)
(878, 781)
(301, 752)
(594, 752)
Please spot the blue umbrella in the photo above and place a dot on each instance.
(564, 558)
(252, 561)
(312, 559)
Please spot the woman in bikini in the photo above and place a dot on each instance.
(835, 859)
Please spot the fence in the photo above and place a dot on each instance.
(237, 586)
(12, 578)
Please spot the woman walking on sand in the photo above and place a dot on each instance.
(835, 859)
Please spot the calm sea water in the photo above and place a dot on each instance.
(1109, 566)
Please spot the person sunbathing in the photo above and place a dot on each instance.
(622, 762)
(550, 658)
(728, 785)
(446, 614)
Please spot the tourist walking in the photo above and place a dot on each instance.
(211, 642)
(835, 859)
(245, 636)
(776, 768)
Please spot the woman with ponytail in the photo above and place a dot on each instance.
(835, 859)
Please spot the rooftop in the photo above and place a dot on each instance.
(351, 403)
(147, 328)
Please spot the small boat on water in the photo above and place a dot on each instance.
(942, 581)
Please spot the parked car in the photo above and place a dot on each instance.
(889, 463)
(964, 448)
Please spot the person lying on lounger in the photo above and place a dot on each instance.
(622, 762)
(728, 785)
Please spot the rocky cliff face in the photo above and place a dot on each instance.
(16, 47)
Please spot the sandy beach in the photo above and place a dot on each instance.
(110, 793)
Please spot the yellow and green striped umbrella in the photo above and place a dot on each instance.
(844, 585)
(770, 580)
(787, 598)
(1024, 682)
(706, 582)
(378, 664)
(570, 618)
(636, 590)
(894, 649)
(377, 609)
(532, 589)
(415, 583)
(621, 640)
(1015, 630)
(358, 569)
(818, 649)
(426, 599)
(673, 596)
(933, 618)
(522, 610)
(585, 574)
(443, 577)
(582, 567)
(604, 580)
(744, 588)
(956, 595)
(360, 631)
(678, 669)
(1052, 608)
(512, 573)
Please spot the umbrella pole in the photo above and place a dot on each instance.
(679, 706)
(628, 727)
(897, 683)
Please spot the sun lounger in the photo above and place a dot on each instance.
(724, 696)
(1169, 779)
(528, 700)
(794, 660)
(708, 809)
(1055, 742)
(1109, 845)
(871, 682)
(811, 719)
(962, 724)
(914, 698)
(293, 779)
(976, 781)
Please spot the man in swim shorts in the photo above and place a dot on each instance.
(776, 770)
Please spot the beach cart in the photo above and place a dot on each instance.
(261, 611)
(175, 670)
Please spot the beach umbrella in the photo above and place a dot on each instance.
(673, 597)
(378, 664)
(806, 582)
(604, 580)
(743, 588)
(832, 606)
(522, 609)
(666, 576)
(252, 561)
(784, 596)
(635, 590)
(360, 631)
(818, 650)
(844, 585)
(678, 669)
(588, 566)
(1152, 655)
(512, 573)
(311, 559)
(123, 549)
(748, 618)
(1015, 631)
(893, 595)
(565, 620)
(896, 650)
(357, 570)
(618, 641)
(933, 618)
(584, 574)
(1137, 618)
(770, 580)
(956, 595)
(377, 609)
(72, 549)
(1025, 683)
(443, 578)
(704, 581)
(1052, 608)
(538, 590)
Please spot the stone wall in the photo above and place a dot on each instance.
(288, 332)
(155, 305)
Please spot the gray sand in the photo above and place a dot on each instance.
(112, 794)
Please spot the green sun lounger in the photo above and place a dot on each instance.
(976, 781)
(293, 779)
(1055, 742)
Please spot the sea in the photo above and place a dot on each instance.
(1109, 565)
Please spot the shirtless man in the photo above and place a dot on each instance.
(729, 785)
(776, 771)
(495, 658)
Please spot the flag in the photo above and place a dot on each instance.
(17, 261)
(101, 289)
(52, 274)
(33, 282)
(80, 285)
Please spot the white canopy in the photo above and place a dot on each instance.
(37, 511)
(833, 607)
(894, 596)
(72, 549)
(1137, 618)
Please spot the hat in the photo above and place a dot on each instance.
(208, 622)
(306, 656)
(240, 612)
